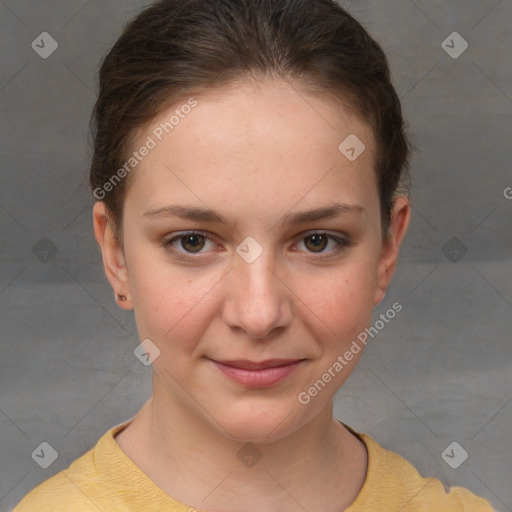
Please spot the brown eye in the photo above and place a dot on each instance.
(192, 243)
(187, 243)
(325, 245)
(317, 243)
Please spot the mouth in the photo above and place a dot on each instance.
(245, 364)
(258, 374)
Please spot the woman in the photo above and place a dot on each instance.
(247, 158)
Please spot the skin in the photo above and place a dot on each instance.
(254, 152)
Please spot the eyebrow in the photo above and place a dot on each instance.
(207, 215)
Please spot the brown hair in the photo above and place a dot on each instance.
(174, 47)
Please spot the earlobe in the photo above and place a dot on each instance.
(389, 253)
(112, 254)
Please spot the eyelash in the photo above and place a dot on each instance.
(342, 243)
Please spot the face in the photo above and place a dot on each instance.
(252, 276)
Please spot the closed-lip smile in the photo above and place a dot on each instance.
(252, 365)
(261, 374)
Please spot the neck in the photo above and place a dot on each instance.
(205, 467)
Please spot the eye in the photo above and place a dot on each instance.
(318, 241)
(191, 241)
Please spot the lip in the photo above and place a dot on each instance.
(245, 364)
(258, 374)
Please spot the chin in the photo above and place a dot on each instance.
(259, 425)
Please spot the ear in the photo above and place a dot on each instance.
(400, 217)
(113, 255)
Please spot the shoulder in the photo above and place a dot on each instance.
(64, 491)
(392, 483)
(83, 486)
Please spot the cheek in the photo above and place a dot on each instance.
(340, 300)
(170, 303)
(174, 305)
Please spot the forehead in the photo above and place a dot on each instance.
(251, 110)
(270, 142)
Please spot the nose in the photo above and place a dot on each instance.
(257, 299)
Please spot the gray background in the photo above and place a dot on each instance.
(439, 372)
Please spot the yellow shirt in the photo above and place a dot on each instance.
(105, 479)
